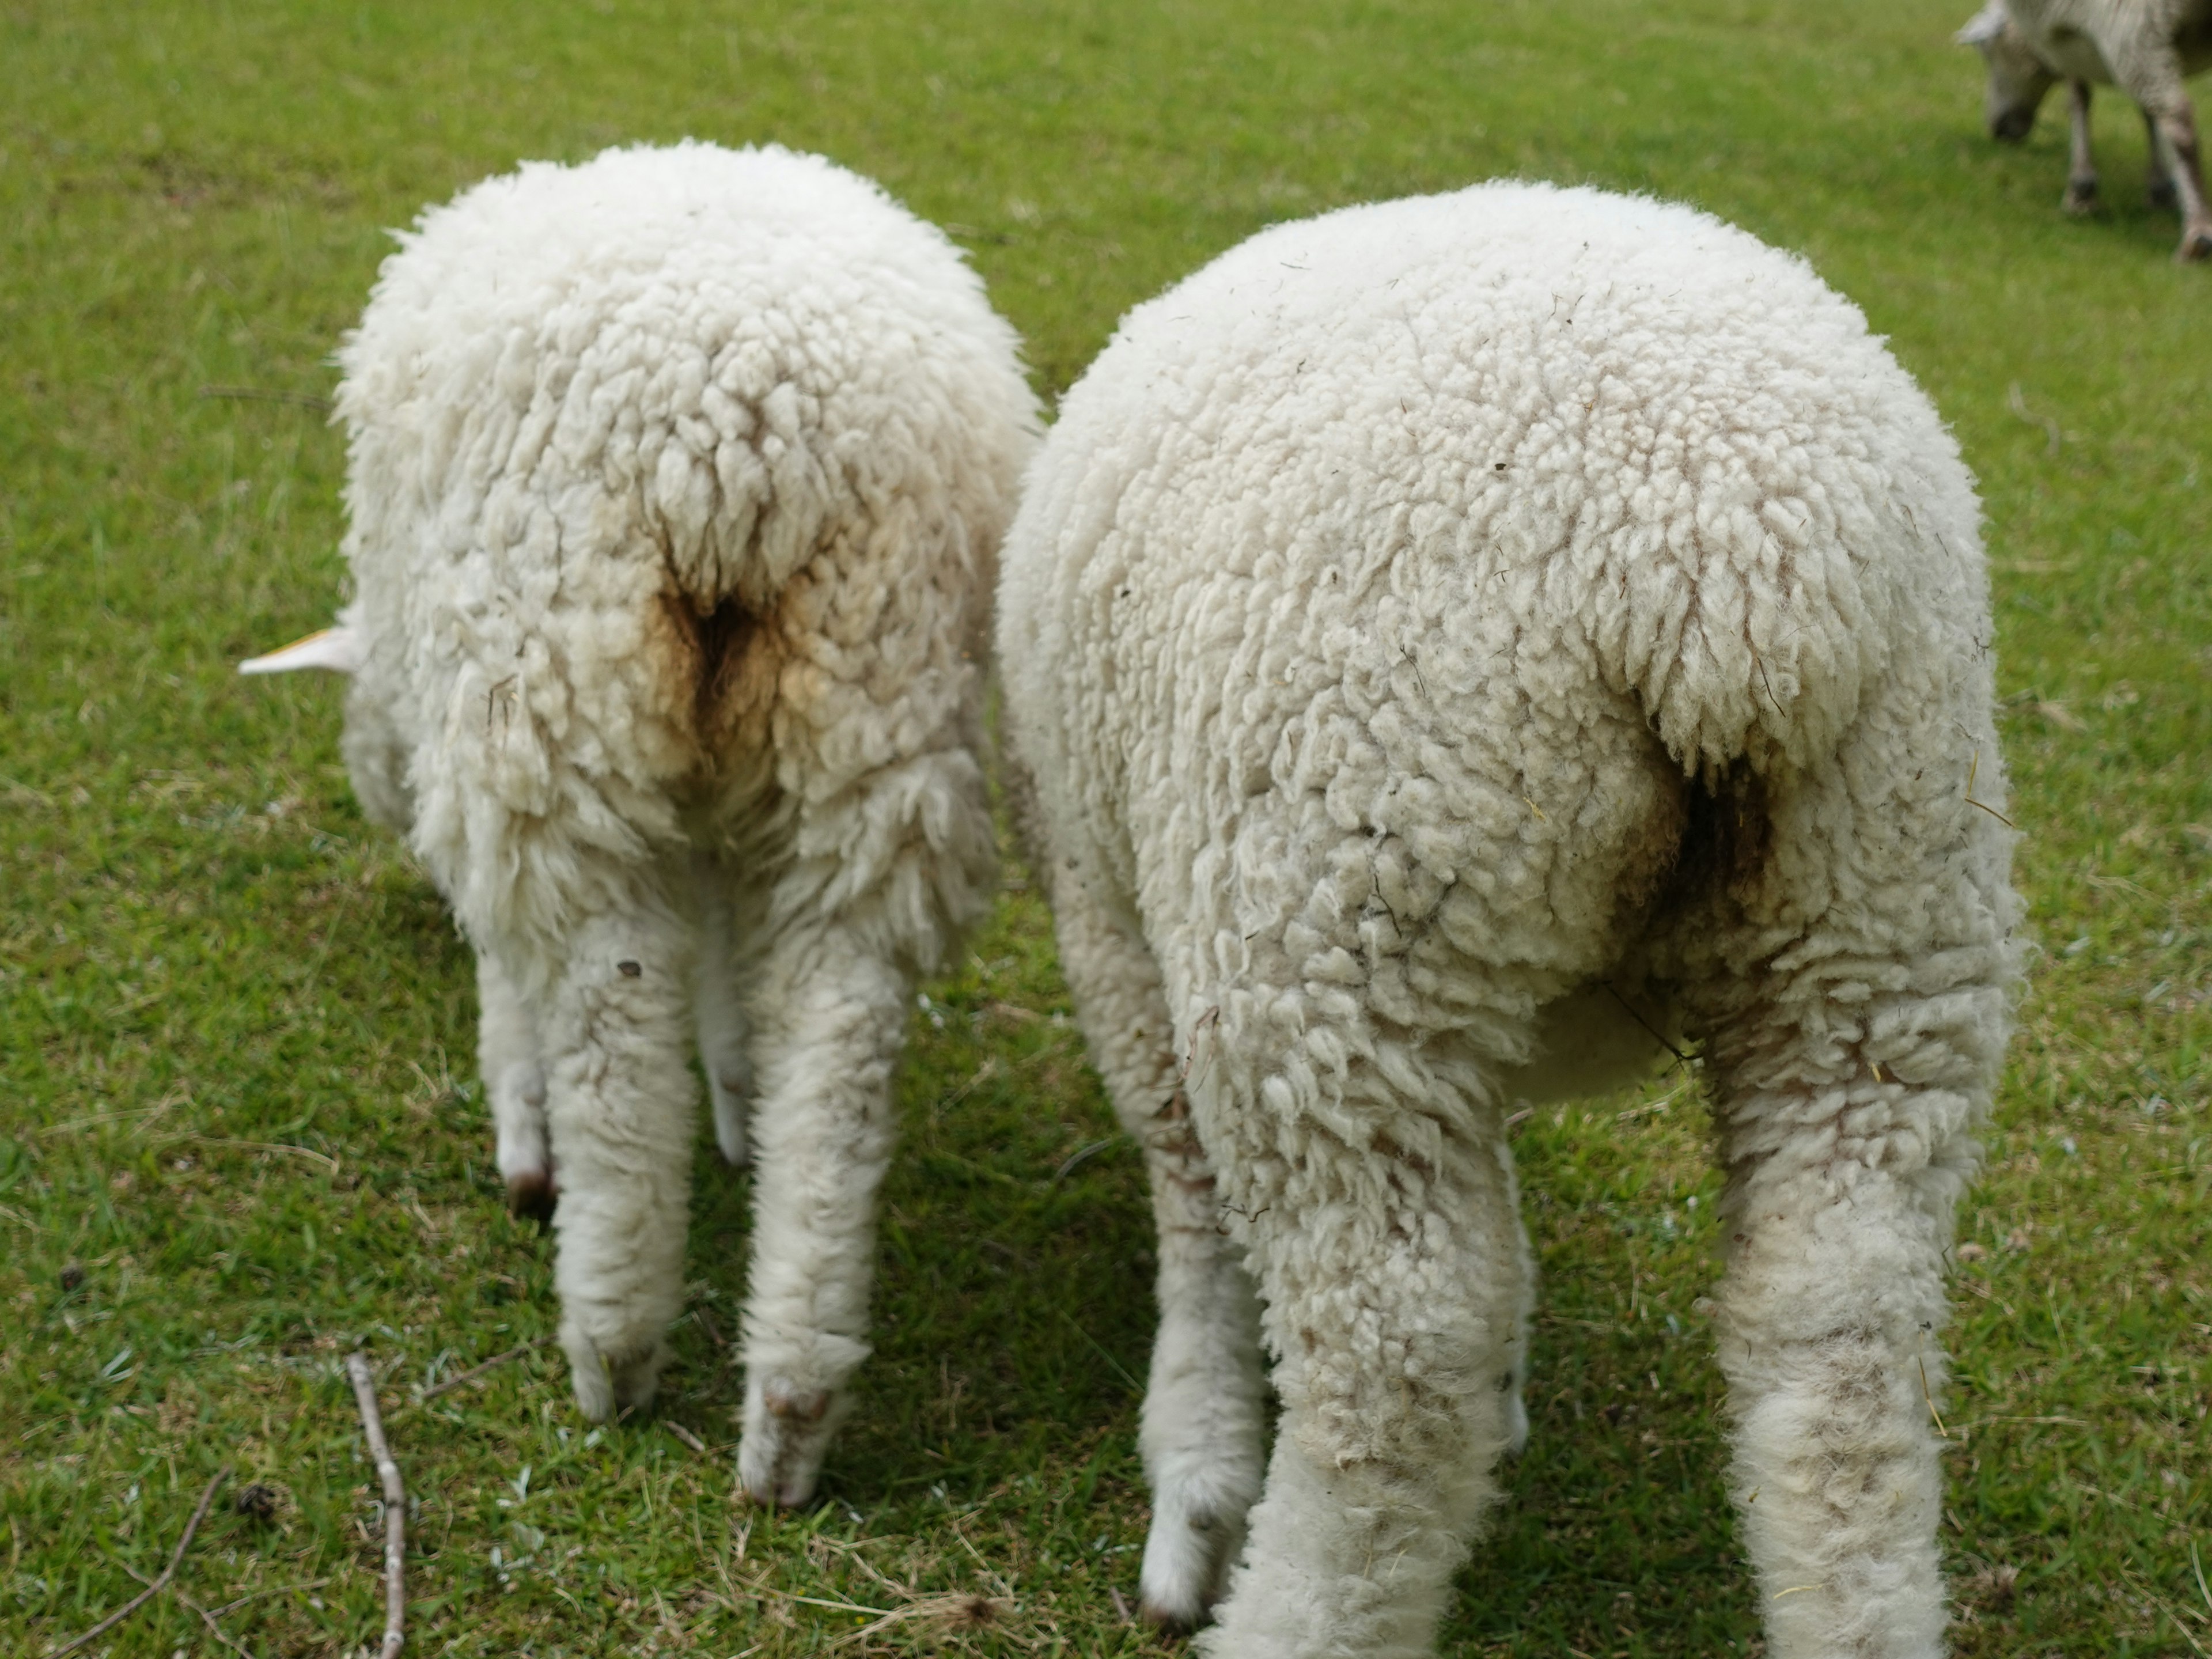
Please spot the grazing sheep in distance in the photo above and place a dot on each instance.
(675, 482)
(2147, 48)
(1451, 643)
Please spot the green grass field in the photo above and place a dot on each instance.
(240, 1133)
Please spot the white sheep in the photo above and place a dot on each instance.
(2147, 48)
(1453, 642)
(676, 482)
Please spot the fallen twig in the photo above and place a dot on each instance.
(232, 1606)
(2016, 400)
(206, 1618)
(953, 1610)
(685, 1436)
(254, 394)
(476, 1371)
(395, 1505)
(199, 1514)
(1082, 1155)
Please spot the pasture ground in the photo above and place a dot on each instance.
(238, 1130)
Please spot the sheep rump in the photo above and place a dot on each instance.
(674, 484)
(1450, 642)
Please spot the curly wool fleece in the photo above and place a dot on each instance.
(676, 482)
(1453, 641)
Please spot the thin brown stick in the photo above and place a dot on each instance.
(476, 1371)
(206, 1618)
(231, 1607)
(395, 1506)
(199, 1514)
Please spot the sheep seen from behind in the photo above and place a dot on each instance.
(674, 484)
(1450, 644)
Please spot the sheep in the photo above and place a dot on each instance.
(1454, 647)
(675, 485)
(2147, 48)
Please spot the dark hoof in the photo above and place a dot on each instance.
(2196, 247)
(1172, 1625)
(2082, 198)
(531, 1198)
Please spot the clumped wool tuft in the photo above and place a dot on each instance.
(1451, 643)
(675, 482)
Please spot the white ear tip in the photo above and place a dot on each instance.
(334, 648)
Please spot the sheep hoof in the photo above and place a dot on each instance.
(2195, 246)
(1173, 1626)
(594, 1389)
(532, 1197)
(605, 1386)
(787, 1432)
(2082, 198)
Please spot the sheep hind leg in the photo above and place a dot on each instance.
(718, 1004)
(620, 1099)
(2081, 167)
(1854, 1010)
(1201, 1429)
(2157, 85)
(830, 1015)
(1395, 1283)
(514, 1083)
(2178, 126)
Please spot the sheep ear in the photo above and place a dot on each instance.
(1984, 26)
(336, 648)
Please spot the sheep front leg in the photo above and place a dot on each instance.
(2158, 167)
(2081, 164)
(1201, 1427)
(831, 1013)
(619, 1099)
(718, 1002)
(514, 1083)
(1395, 1283)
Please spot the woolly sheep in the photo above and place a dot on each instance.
(1453, 643)
(2147, 48)
(676, 482)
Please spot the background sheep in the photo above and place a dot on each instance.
(2147, 48)
(676, 480)
(1455, 641)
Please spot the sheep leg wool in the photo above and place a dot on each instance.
(1453, 646)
